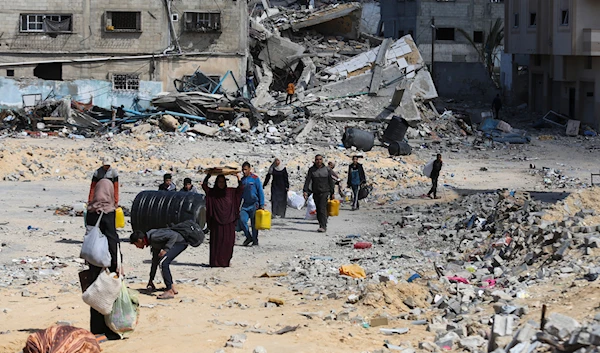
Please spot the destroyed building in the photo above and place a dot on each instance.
(563, 46)
(117, 52)
(414, 17)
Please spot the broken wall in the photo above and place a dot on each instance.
(99, 91)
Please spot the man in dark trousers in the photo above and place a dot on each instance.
(435, 174)
(319, 182)
(356, 178)
(166, 244)
(497, 105)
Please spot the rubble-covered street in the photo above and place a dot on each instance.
(479, 254)
(502, 258)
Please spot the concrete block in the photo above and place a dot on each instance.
(561, 326)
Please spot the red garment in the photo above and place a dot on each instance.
(222, 212)
(222, 240)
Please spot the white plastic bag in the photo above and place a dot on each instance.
(427, 169)
(95, 246)
(101, 294)
(295, 200)
(311, 209)
(125, 312)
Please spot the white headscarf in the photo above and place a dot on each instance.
(277, 168)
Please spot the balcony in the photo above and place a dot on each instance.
(591, 42)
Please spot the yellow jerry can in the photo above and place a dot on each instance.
(333, 208)
(119, 218)
(263, 219)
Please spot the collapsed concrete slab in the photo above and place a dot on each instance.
(343, 19)
(278, 50)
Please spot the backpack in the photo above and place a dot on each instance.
(190, 231)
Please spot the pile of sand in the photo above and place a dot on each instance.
(587, 199)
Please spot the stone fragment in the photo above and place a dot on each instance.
(561, 326)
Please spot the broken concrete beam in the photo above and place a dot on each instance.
(306, 131)
(306, 76)
(263, 95)
(380, 62)
(399, 94)
(501, 327)
(277, 52)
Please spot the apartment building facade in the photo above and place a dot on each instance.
(401, 17)
(112, 51)
(562, 40)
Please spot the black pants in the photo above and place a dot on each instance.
(321, 203)
(290, 98)
(107, 227)
(355, 190)
(497, 111)
(433, 189)
(177, 249)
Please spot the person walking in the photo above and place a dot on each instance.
(435, 174)
(319, 182)
(497, 105)
(253, 198)
(250, 84)
(356, 179)
(166, 244)
(336, 178)
(291, 90)
(105, 172)
(279, 187)
(167, 184)
(188, 187)
(222, 213)
(103, 204)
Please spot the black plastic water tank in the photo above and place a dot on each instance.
(158, 209)
(395, 130)
(399, 148)
(362, 140)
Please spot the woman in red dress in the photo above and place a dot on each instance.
(222, 212)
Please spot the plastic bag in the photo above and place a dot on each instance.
(103, 292)
(295, 200)
(125, 312)
(311, 209)
(353, 271)
(95, 246)
(427, 169)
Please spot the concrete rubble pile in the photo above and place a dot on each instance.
(486, 250)
(63, 117)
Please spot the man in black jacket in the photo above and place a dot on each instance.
(319, 182)
(356, 178)
(166, 244)
(435, 174)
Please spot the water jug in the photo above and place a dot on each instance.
(263, 219)
(333, 208)
(119, 218)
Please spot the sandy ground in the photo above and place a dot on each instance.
(194, 322)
